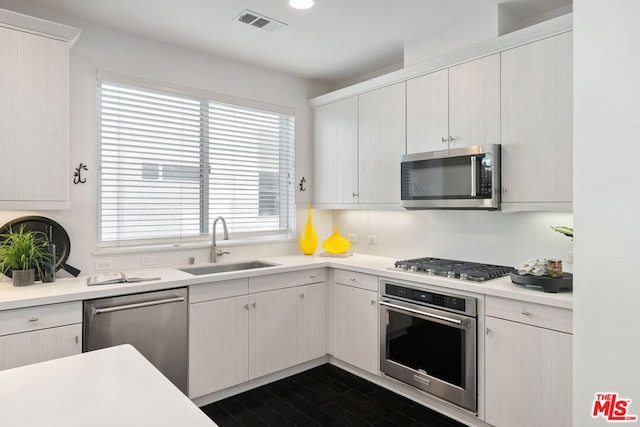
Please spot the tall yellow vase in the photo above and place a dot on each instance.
(309, 238)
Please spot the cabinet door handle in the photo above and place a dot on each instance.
(526, 313)
(253, 305)
(76, 339)
(301, 296)
(354, 194)
(352, 280)
(488, 331)
(33, 320)
(373, 302)
(451, 139)
(246, 306)
(313, 276)
(445, 139)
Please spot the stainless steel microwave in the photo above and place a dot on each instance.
(460, 178)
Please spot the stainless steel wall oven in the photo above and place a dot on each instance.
(428, 341)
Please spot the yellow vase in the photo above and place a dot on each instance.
(309, 238)
(336, 244)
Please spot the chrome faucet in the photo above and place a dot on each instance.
(215, 252)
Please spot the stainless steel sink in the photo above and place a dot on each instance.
(223, 268)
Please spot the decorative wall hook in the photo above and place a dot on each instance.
(77, 177)
(301, 184)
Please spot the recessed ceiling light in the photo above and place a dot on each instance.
(301, 4)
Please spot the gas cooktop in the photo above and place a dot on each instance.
(462, 270)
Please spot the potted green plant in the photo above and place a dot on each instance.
(23, 253)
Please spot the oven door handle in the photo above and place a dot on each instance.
(422, 313)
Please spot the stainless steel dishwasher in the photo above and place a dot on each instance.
(155, 323)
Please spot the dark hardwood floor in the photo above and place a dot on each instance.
(323, 396)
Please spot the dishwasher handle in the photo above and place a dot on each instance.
(137, 305)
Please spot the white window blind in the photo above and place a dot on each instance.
(171, 163)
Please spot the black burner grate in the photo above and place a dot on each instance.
(456, 269)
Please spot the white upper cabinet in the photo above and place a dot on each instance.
(474, 102)
(428, 112)
(520, 97)
(336, 152)
(381, 143)
(34, 130)
(537, 123)
(358, 145)
(455, 107)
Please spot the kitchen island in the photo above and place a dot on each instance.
(111, 387)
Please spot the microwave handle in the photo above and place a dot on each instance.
(473, 176)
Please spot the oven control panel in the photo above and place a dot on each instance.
(450, 302)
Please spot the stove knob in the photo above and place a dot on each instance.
(451, 274)
(403, 266)
(414, 269)
(430, 271)
(464, 276)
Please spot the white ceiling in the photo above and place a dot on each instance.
(334, 41)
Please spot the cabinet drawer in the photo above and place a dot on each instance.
(306, 277)
(218, 290)
(272, 282)
(544, 316)
(40, 317)
(358, 280)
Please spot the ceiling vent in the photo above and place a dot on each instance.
(249, 17)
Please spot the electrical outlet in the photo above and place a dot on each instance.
(149, 260)
(353, 238)
(102, 265)
(569, 257)
(373, 239)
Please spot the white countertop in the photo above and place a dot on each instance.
(76, 289)
(116, 386)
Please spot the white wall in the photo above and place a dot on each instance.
(100, 48)
(607, 220)
(482, 236)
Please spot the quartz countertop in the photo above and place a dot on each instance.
(76, 289)
(116, 386)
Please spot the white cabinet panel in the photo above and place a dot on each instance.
(40, 345)
(355, 327)
(474, 102)
(40, 317)
(559, 319)
(428, 112)
(311, 322)
(537, 125)
(455, 107)
(527, 375)
(34, 130)
(273, 331)
(336, 152)
(381, 143)
(218, 345)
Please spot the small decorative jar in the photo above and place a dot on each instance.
(554, 268)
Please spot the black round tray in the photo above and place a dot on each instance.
(59, 237)
(548, 283)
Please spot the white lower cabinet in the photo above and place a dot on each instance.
(311, 322)
(37, 334)
(273, 331)
(218, 345)
(527, 366)
(355, 320)
(243, 329)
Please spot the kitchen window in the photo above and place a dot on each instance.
(171, 161)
